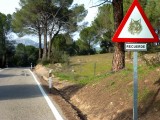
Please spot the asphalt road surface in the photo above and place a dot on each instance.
(21, 98)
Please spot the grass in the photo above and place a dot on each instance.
(87, 69)
(95, 72)
(85, 65)
(144, 94)
(91, 69)
(80, 79)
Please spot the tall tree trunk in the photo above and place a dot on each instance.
(51, 37)
(45, 43)
(4, 48)
(2, 44)
(118, 61)
(0, 61)
(50, 46)
(3, 60)
(40, 45)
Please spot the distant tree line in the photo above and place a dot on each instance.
(24, 56)
(19, 56)
(11, 55)
(5, 23)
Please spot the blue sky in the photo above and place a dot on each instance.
(9, 6)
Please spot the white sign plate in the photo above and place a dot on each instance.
(135, 20)
(135, 47)
(135, 27)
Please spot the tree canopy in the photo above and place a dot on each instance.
(109, 18)
(48, 18)
(5, 21)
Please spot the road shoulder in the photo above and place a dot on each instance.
(63, 106)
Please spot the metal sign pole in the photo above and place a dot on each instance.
(135, 86)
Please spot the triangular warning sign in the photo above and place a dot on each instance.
(135, 27)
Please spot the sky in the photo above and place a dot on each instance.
(92, 11)
(9, 6)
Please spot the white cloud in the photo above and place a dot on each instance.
(8, 6)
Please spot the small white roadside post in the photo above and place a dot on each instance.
(31, 66)
(50, 81)
(7, 65)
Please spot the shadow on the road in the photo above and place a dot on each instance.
(7, 75)
(19, 92)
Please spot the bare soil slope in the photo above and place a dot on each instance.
(112, 100)
(111, 97)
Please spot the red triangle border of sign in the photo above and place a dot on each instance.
(121, 26)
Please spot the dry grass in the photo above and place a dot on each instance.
(85, 65)
(86, 69)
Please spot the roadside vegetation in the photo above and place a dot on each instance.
(90, 69)
(86, 69)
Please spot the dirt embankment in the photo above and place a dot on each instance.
(101, 101)
(65, 106)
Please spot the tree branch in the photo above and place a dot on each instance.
(105, 1)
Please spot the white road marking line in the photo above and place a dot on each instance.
(52, 107)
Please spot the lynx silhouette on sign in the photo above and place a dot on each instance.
(135, 27)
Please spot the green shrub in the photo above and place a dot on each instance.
(59, 56)
(45, 62)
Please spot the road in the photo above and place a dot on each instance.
(21, 98)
